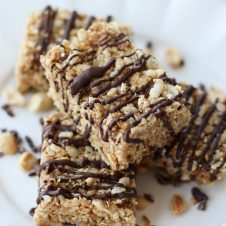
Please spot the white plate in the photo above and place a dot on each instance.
(194, 26)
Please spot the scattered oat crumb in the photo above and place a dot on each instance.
(177, 205)
(40, 102)
(7, 108)
(174, 58)
(142, 203)
(14, 97)
(8, 143)
(142, 169)
(27, 161)
(146, 221)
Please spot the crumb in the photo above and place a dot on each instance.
(149, 45)
(13, 97)
(8, 143)
(174, 58)
(32, 211)
(27, 161)
(177, 205)
(7, 108)
(142, 203)
(41, 121)
(200, 197)
(31, 144)
(146, 221)
(40, 102)
(149, 197)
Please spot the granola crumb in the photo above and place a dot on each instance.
(174, 58)
(14, 97)
(27, 161)
(146, 221)
(40, 102)
(177, 205)
(8, 143)
(142, 203)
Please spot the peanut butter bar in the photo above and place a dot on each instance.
(129, 102)
(199, 151)
(76, 186)
(44, 29)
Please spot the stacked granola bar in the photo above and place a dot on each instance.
(116, 106)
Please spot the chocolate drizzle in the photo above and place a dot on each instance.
(90, 22)
(155, 110)
(86, 77)
(70, 194)
(45, 30)
(186, 143)
(97, 164)
(69, 25)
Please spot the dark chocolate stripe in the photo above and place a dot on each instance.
(165, 78)
(46, 28)
(188, 92)
(69, 25)
(154, 110)
(50, 130)
(213, 140)
(97, 164)
(90, 22)
(198, 132)
(69, 194)
(86, 76)
(181, 149)
(138, 66)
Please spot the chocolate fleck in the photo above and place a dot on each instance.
(149, 197)
(200, 198)
(7, 108)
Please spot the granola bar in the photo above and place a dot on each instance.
(199, 151)
(45, 28)
(129, 102)
(76, 186)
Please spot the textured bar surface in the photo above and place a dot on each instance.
(119, 90)
(44, 29)
(76, 186)
(199, 151)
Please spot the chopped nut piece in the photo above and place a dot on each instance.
(40, 102)
(8, 143)
(27, 161)
(174, 58)
(177, 205)
(14, 97)
(142, 203)
(146, 221)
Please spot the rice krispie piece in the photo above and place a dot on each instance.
(44, 29)
(129, 102)
(199, 151)
(76, 186)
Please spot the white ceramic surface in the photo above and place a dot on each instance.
(196, 27)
